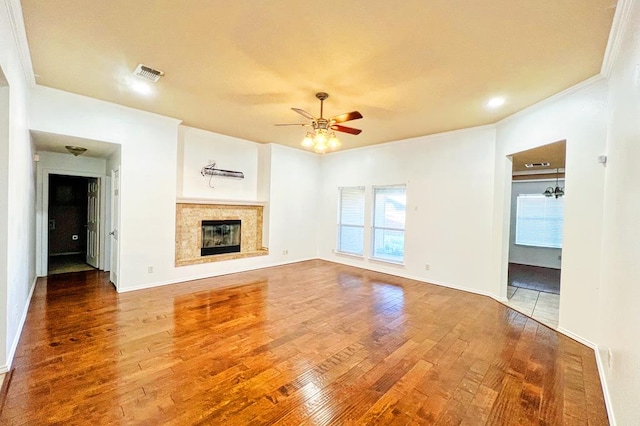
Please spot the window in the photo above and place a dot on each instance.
(539, 220)
(389, 207)
(351, 220)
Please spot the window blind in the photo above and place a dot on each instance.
(351, 220)
(539, 220)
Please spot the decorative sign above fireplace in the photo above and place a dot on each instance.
(220, 236)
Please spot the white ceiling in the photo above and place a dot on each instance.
(52, 142)
(412, 68)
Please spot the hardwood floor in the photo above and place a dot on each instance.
(308, 343)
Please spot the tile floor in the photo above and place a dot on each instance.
(538, 305)
(68, 263)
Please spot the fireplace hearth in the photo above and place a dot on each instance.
(220, 236)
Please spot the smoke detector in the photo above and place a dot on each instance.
(148, 73)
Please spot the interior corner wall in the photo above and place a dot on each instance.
(579, 117)
(620, 274)
(4, 215)
(546, 257)
(293, 204)
(449, 180)
(17, 193)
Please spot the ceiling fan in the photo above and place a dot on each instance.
(323, 136)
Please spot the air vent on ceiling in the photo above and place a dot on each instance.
(148, 73)
(530, 165)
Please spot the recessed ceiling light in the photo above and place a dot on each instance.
(140, 86)
(495, 102)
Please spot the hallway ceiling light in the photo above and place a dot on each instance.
(76, 150)
(554, 192)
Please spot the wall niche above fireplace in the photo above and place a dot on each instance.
(208, 232)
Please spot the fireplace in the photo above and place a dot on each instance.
(220, 236)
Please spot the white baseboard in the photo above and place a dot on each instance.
(397, 271)
(23, 318)
(577, 338)
(605, 388)
(209, 275)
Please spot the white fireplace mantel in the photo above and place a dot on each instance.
(220, 202)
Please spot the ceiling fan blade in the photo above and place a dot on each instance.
(304, 113)
(346, 129)
(347, 116)
(293, 124)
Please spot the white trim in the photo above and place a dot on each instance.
(220, 202)
(620, 19)
(605, 389)
(539, 172)
(16, 21)
(209, 275)
(577, 338)
(16, 340)
(42, 251)
(583, 85)
(429, 136)
(396, 273)
(344, 253)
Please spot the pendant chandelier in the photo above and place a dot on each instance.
(554, 192)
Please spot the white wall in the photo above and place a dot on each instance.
(4, 212)
(197, 147)
(152, 168)
(619, 297)
(529, 255)
(579, 117)
(17, 191)
(449, 180)
(147, 175)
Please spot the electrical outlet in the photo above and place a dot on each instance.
(426, 267)
(610, 359)
(150, 269)
(285, 251)
(559, 257)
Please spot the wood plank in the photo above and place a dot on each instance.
(307, 343)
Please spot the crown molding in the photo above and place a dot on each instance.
(583, 85)
(620, 20)
(16, 20)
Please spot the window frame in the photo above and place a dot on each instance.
(373, 256)
(341, 225)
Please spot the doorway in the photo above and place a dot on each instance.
(73, 224)
(535, 237)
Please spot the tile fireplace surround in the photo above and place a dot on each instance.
(189, 217)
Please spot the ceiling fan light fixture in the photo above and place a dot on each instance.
(323, 137)
(307, 142)
(334, 142)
